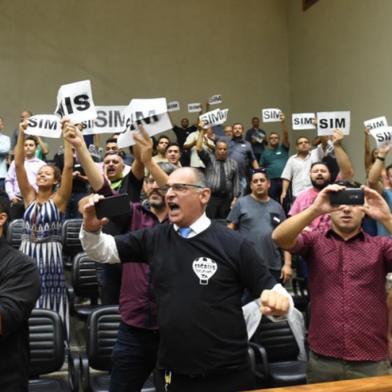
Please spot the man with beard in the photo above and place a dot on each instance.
(135, 351)
(320, 177)
(113, 181)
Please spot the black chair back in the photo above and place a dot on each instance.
(14, 232)
(70, 239)
(277, 339)
(102, 327)
(46, 336)
(84, 277)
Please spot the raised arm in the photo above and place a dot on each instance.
(74, 136)
(61, 197)
(368, 152)
(143, 153)
(44, 147)
(285, 189)
(377, 208)
(285, 132)
(342, 159)
(376, 169)
(26, 189)
(200, 138)
(286, 234)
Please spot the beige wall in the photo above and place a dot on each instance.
(180, 49)
(340, 59)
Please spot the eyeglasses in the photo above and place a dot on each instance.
(180, 187)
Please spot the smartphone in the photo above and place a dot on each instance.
(351, 196)
(113, 206)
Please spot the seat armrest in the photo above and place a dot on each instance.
(73, 370)
(85, 372)
(260, 360)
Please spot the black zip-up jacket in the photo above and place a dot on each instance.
(19, 291)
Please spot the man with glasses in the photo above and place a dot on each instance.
(199, 271)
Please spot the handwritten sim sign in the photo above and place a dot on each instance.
(382, 136)
(150, 113)
(46, 125)
(328, 121)
(301, 121)
(215, 99)
(378, 122)
(75, 102)
(271, 115)
(173, 106)
(194, 107)
(214, 117)
(110, 119)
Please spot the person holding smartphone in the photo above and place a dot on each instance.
(347, 267)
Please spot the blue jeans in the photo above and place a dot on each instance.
(133, 359)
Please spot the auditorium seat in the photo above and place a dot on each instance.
(14, 233)
(102, 328)
(277, 345)
(70, 240)
(84, 282)
(47, 353)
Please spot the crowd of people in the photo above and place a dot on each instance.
(219, 217)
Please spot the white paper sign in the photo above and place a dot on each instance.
(271, 115)
(75, 102)
(214, 117)
(215, 99)
(153, 125)
(173, 106)
(151, 113)
(377, 122)
(144, 108)
(46, 125)
(302, 121)
(194, 107)
(110, 119)
(328, 121)
(382, 136)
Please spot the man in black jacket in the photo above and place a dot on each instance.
(19, 290)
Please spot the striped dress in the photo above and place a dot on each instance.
(41, 240)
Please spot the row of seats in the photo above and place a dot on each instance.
(273, 353)
(47, 352)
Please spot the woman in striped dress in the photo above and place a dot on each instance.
(42, 224)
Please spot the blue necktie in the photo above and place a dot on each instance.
(184, 231)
